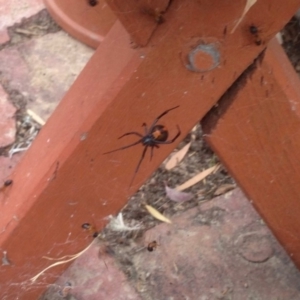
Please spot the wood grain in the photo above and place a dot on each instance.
(256, 132)
(65, 180)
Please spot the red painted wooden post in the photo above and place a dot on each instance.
(140, 18)
(65, 180)
(255, 132)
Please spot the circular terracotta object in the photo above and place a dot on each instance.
(88, 20)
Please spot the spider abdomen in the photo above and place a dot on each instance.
(160, 133)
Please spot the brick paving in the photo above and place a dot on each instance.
(221, 250)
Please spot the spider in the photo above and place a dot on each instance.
(256, 34)
(152, 246)
(90, 228)
(154, 136)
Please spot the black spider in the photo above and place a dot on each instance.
(154, 136)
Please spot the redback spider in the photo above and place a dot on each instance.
(154, 136)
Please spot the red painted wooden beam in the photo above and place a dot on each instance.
(65, 180)
(256, 132)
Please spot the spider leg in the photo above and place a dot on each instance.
(151, 155)
(138, 165)
(125, 147)
(160, 116)
(129, 133)
(172, 140)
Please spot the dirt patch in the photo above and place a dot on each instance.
(36, 26)
(291, 42)
(31, 28)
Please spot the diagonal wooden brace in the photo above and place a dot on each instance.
(65, 180)
(255, 130)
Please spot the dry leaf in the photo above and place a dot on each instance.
(62, 261)
(177, 196)
(197, 178)
(248, 5)
(177, 157)
(35, 117)
(223, 189)
(156, 214)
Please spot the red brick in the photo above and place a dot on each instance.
(14, 11)
(7, 120)
(94, 276)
